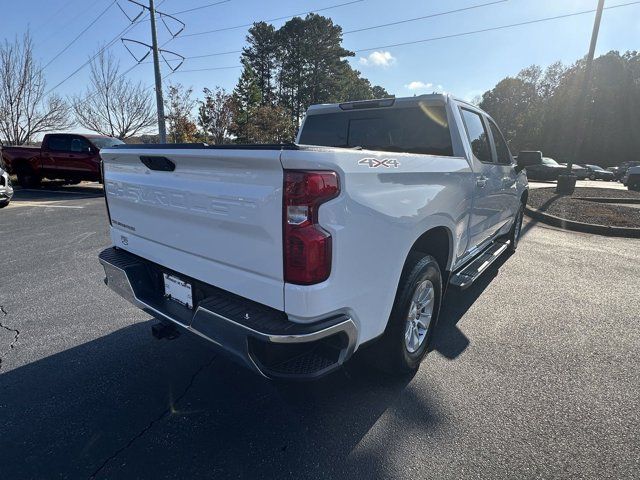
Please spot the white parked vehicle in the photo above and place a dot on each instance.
(6, 189)
(291, 257)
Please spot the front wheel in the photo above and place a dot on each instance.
(4, 203)
(413, 317)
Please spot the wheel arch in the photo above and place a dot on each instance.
(437, 242)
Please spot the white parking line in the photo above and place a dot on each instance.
(35, 204)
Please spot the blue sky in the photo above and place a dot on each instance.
(465, 66)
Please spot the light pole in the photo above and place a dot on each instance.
(162, 130)
(567, 182)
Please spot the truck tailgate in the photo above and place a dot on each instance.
(216, 217)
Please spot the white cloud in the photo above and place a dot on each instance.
(378, 59)
(418, 85)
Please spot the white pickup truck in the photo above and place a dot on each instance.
(291, 257)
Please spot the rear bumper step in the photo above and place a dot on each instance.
(258, 336)
(469, 274)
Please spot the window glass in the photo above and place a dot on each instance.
(422, 129)
(106, 142)
(502, 150)
(79, 145)
(477, 136)
(59, 143)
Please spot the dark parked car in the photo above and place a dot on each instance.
(598, 173)
(549, 169)
(632, 178)
(621, 170)
(579, 171)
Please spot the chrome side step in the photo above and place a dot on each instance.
(469, 274)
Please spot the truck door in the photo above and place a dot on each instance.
(82, 162)
(508, 176)
(487, 205)
(55, 151)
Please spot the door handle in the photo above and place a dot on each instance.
(481, 182)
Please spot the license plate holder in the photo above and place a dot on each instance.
(178, 290)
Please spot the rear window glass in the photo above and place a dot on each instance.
(59, 144)
(422, 129)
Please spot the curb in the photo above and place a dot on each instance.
(564, 224)
(631, 201)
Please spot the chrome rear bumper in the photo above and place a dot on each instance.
(259, 337)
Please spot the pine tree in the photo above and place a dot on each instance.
(261, 56)
(246, 99)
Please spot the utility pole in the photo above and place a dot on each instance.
(162, 130)
(565, 184)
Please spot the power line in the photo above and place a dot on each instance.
(519, 24)
(200, 7)
(208, 69)
(107, 46)
(80, 34)
(49, 22)
(454, 35)
(448, 12)
(372, 27)
(272, 19)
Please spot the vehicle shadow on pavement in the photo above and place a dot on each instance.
(128, 406)
(449, 340)
(53, 190)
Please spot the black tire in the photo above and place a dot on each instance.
(516, 229)
(27, 178)
(592, 177)
(4, 203)
(393, 354)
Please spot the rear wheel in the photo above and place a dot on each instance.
(27, 178)
(413, 317)
(516, 229)
(4, 203)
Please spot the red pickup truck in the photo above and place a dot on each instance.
(65, 156)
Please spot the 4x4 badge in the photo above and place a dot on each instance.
(375, 163)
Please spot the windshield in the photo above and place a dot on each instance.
(106, 142)
(418, 129)
(550, 161)
(596, 167)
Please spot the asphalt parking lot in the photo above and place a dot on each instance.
(535, 373)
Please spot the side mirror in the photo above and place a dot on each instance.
(528, 159)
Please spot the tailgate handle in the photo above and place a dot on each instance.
(162, 164)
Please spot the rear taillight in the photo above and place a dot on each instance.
(307, 247)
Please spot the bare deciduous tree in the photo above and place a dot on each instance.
(25, 109)
(114, 105)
